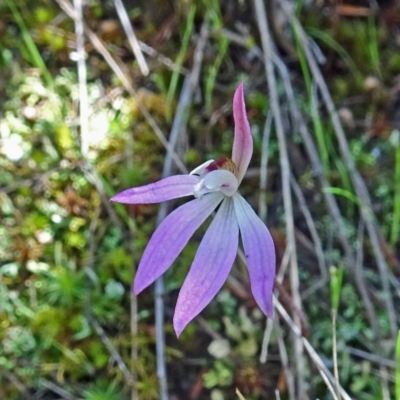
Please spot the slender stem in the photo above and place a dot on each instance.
(334, 354)
(160, 339)
(134, 335)
(314, 235)
(133, 319)
(394, 234)
(262, 206)
(130, 34)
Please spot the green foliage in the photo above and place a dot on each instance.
(215, 17)
(103, 390)
(33, 53)
(395, 228)
(66, 286)
(220, 375)
(336, 286)
(172, 89)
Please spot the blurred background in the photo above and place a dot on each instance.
(90, 93)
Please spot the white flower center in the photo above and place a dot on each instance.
(216, 176)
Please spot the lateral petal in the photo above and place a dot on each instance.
(243, 141)
(211, 266)
(171, 237)
(260, 253)
(165, 189)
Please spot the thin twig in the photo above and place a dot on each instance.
(133, 325)
(134, 347)
(266, 338)
(359, 274)
(314, 235)
(262, 204)
(111, 349)
(15, 381)
(130, 34)
(285, 172)
(262, 213)
(371, 357)
(384, 382)
(57, 389)
(284, 263)
(207, 328)
(285, 360)
(162, 59)
(241, 397)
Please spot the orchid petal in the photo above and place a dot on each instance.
(171, 237)
(243, 141)
(165, 189)
(211, 266)
(259, 250)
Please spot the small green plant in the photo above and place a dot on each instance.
(103, 390)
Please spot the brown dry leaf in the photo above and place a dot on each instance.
(26, 249)
(348, 10)
(72, 202)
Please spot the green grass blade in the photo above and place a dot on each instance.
(179, 60)
(394, 233)
(319, 131)
(213, 71)
(373, 45)
(36, 58)
(328, 40)
(313, 108)
(214, 14)
(345, 182)
(344, 193)
(303, 62)
(336, 286)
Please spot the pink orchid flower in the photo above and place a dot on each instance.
(213, 184)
